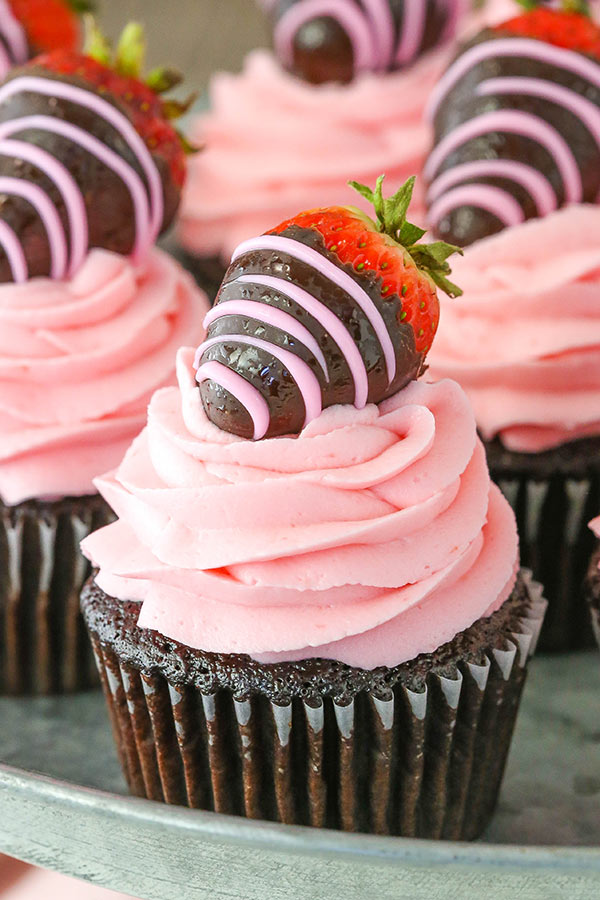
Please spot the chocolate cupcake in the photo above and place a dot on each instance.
(309, 608)
(529, 362)
(91, 315)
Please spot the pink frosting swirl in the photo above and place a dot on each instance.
(275, 145)
(524, 339)
(79, 361)
(373, 536)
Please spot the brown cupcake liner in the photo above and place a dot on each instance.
(44, 648)
(592, 590)
(556, 544)
(424, 763)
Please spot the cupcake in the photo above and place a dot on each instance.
(517, 119)
(29, 28)
(530, 365)
(90, 318)
(309, 609)
(341, 96)
(593, 583)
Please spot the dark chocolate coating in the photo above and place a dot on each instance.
(323, 50)
(109, 208)
(465, 224)
(268, 374)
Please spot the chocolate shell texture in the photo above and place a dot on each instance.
(517, 135)
(293, 332)
(74, 174)
(334, 40)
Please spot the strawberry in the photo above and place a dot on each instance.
(517, 119)
(570, 27)
(112, 136)
(333, 40)
(329, 307)
(50, 24)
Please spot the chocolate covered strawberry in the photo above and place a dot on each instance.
(329, 307)
(30, 27)
(517, 124)
(332, 40)
(89, 158)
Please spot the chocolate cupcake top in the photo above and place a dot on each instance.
(368, 532)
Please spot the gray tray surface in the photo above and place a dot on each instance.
(63, 804)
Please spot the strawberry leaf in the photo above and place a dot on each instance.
(391, 220)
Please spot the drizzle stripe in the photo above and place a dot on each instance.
(515, 122)
(413, 28)
(350, 17)
(107, 156)
(301, 372)
(111, 114)
(5, 61)
(494, 199)
(249, 396)
(14, 33)
(66, 184)
(14, 253)
(536, 184)
(49, 216)
(270, 315)
(586, 111)
(332, 325)
(380, 17)
(527, 47)
(340, 278)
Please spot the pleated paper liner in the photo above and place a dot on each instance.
(44, 648)
(592, 589)
(554, 495)
(422, 756)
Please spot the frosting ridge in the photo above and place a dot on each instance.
(79, 361)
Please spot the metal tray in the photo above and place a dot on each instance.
(63, 805)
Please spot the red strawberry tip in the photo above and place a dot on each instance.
(391, 219)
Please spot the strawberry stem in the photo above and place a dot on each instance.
(571, 6)
(391, 215)
(96, 45)
(131, 51)
(81, 6)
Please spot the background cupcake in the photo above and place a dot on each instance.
(342, 96)
(517, 136)
(91, 316)
(309, 608)
(523, 342)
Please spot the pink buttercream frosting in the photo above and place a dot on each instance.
(274, 145)
(524, 339)
(373, 536)
(79, 361)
